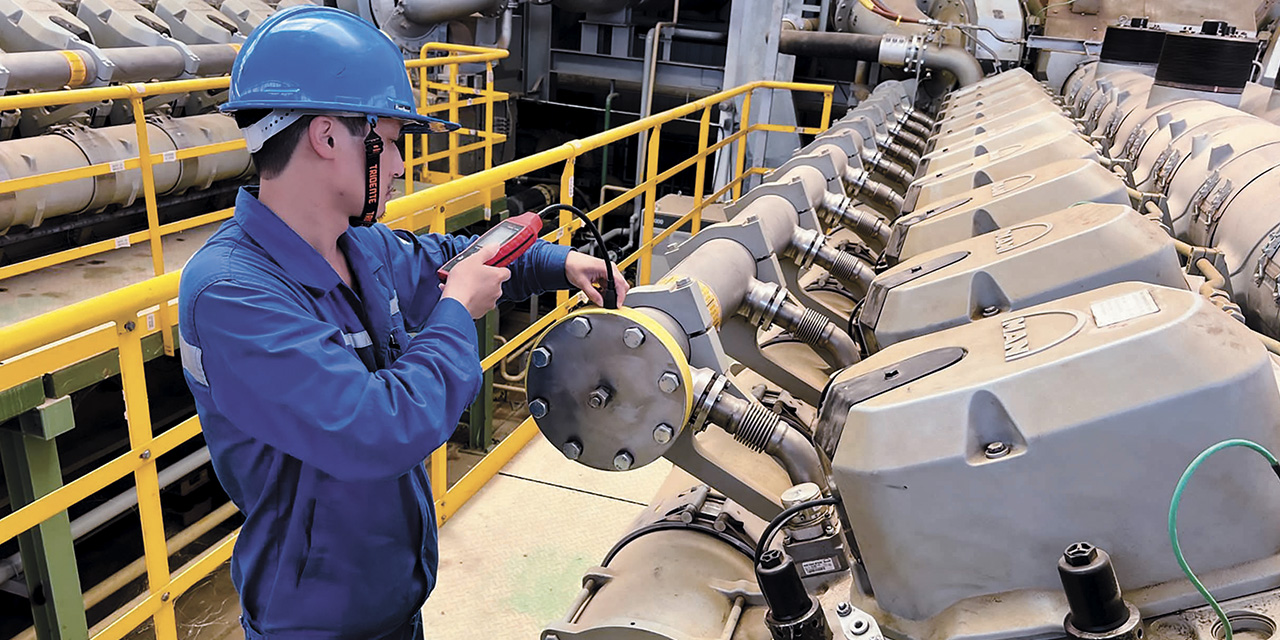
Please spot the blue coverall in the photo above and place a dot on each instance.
(319, 407)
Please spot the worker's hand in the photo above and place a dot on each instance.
(475, 284)
(583, 271)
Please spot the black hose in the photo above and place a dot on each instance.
(610, 291)
(782, 519)
(675, 525)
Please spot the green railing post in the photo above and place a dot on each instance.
(30, 460)
(481, 414)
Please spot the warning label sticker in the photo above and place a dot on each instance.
(821, 565)
(1121, 308)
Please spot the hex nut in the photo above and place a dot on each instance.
(633, 337)
(540, 357)
(843, 609)
(623, 461)
(668, 382)
(572, 450)
(579, 327)
(995, 450)
(599, 398)
(538, 407)
(663, 433)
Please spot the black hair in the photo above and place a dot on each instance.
(276, 152)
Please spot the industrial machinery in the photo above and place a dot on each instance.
(938, 375)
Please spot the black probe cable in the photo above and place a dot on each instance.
(610, 291)
(782, 518)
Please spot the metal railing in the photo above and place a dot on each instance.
(120, 321)
(145, 161)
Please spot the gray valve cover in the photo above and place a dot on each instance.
(993, 167)
(1100, 399)
(1006, 202)
(1050, 257)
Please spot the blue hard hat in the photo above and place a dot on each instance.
(310, 59)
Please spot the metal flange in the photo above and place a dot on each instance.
(603, 402)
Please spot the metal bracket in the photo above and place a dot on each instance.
(1268, 254)
(792, 191)
(820, 160)
(847, 140)
(1131, 145)
(745, 231)
(688, 308)
(856, 624)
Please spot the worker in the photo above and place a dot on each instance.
(326, 357)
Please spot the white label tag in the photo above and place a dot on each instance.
(821, 565)
(122, 242)
(488, 212)
(488, 76)
(117, 166)
(171, 156)
(1121, 308)
(151, 322)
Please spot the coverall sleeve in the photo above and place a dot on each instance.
(414, 261)
(274, 368)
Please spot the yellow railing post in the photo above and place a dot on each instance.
(744, 124)
(824, 121)
(154, 237)
(138, 415)
(650, 206)
(700, 180)
(489, 104)
(454, 171)
(566, 218)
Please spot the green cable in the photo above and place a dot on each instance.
(1173, 518)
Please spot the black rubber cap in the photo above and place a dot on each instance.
(782, 588)
(1093, 593)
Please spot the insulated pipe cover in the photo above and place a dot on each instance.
(215, 59)
(1206, 63)
(47, 70)
(141, 64)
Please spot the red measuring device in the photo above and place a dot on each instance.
(513, 236)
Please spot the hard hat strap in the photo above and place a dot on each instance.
(373, 146)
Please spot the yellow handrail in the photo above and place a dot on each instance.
(135, 94)
(121, 319)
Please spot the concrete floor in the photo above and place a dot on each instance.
(29, 295)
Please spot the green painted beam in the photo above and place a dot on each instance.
(32, 470)
(98, 368)
(20, 399)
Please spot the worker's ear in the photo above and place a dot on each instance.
(321, 136)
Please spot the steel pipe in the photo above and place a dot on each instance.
(438, 11)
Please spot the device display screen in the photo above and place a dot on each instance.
(500, 234)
